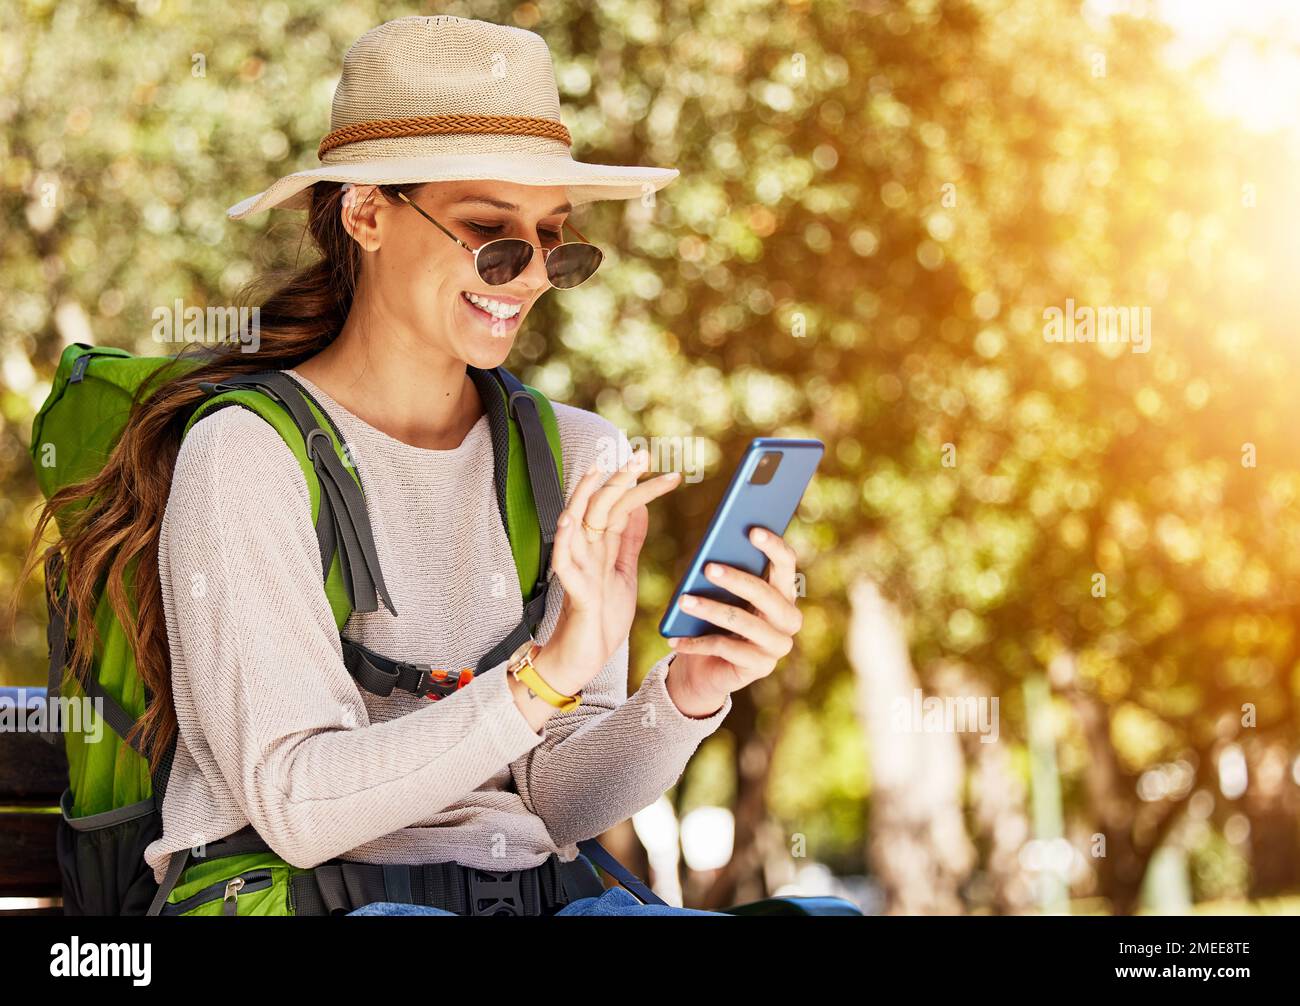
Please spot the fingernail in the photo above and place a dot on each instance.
(688, 602)
(760, 534)
(673, 643)
(715, 569)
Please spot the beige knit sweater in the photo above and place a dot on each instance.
(273, 729)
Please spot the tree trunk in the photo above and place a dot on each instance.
(758, 839)
(1132, 830)
(1272, 806)
(918, 847)
(999, 808)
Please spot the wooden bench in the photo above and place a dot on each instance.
(33, 773)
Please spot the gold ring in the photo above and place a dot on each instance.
(598, 530)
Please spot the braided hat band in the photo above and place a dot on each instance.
(433, 125)
(444, 98)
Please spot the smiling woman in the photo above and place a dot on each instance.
(458, 738)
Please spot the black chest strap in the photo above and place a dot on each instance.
(380, 675)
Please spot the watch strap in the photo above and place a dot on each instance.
(523, 670)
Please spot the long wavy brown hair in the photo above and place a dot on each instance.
(115, 517)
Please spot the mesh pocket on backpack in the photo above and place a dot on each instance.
(101, 859)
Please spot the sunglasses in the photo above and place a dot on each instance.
(502, 259)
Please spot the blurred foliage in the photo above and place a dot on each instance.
(878, 200)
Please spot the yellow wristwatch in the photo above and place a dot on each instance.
(522, 669)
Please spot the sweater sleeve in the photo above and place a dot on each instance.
(261, 691)
(614, 754)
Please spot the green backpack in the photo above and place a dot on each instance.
(112, 806)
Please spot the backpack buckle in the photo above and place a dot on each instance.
(435, 683)
(495, 893)
(423, 676)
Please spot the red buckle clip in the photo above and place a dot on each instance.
(441, 683)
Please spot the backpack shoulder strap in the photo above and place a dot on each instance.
(529, 470)
(349, 560)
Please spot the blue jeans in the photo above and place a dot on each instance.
(615, 901)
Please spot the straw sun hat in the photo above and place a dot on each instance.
(427, 99)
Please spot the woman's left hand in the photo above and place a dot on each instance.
(709, 668)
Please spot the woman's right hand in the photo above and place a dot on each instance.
(598, 570)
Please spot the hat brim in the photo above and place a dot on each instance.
(585, 183)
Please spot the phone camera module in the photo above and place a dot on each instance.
(766, 468)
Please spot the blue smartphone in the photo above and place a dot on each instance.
(764, 492)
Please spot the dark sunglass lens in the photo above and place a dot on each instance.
(572, 263)
(502, 260)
